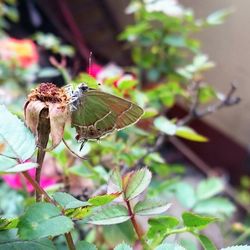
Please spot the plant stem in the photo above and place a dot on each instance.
(38, 188)
(42, 192)
(43, 138)
(134, 222)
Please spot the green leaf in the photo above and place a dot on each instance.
(127, 84)
(88, 79)
(169, 246)
(115, 181)
(215, 206)
(137, 183)
(245, 247)
(206, 94)
(123, 246)
(48, 72)
(17, 138)
(101, 200)
(150, 207)
(6, 224)
(165, 126)
(190, 134)
(218, 17)
(206, 242)
(43, 244)
(108, 215)
(21, 167)
(43, 220)
(210, 187)
(84, 245)
(161, 225)
(185, 194)
(175, 41)
(195, 220)
(67, 201)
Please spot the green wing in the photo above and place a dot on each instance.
(99, 113)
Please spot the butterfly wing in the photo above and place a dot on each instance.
(99, 113)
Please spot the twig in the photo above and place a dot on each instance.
(195, 112)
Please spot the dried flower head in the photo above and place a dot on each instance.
(46, 111)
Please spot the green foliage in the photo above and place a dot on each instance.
(42, 244)
(67, 201)
(162, 41)
(101, 200)
(53, 43)
(18, 143)
(170, 128)
(84, 245)
(108, 215)
(236, 248)
(123, 246)
(43, 220)
(151, 207)
(170, 246)
(137, 182)
(206, 242)
(197, 221)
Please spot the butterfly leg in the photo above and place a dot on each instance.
(83, 143)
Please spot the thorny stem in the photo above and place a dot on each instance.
(43, 138)
(43, 193)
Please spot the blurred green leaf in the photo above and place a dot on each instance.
(84, 245)
(169, 246)
(123, 246)
(206, 242)
(48, 72)
(245, 247)
(185, 194)
(196, 221)
(218, 17)
(190, 134)
(42, 244)
(217, 206)
(87, 79)
(210, 187)
(165, 126)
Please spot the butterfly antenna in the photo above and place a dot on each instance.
(71, 151)
(90, 63)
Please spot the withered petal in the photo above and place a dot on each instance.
(58, 117)
(32, 113)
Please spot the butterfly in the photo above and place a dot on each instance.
(96, 114)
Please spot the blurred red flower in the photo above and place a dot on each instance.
(23, 51)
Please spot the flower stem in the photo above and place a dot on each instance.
(42, 192)
(43, 138)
